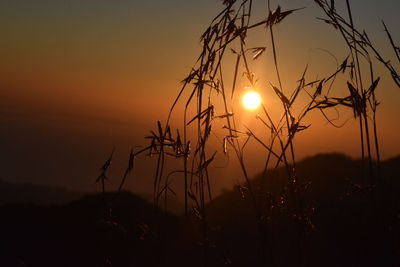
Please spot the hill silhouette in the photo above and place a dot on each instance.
(339, 220)
(342, 220)
(35, 194)
(85, 233)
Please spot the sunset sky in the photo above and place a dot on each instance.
(78, 78)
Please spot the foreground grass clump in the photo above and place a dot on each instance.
(207, 98)
(282, 212)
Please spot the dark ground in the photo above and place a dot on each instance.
(335, 219)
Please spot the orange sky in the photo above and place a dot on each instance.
(78, 79)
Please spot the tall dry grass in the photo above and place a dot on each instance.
(212, 81)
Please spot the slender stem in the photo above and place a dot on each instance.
(362, 93)
(378, 157)
(286, 109)
(371, 175)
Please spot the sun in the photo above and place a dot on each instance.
(251, 100)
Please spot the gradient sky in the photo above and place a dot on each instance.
(80, 77)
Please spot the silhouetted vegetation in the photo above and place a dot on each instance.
(208, 95)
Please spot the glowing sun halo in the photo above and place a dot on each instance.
(251, 100)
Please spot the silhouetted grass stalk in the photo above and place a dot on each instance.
(359, 45)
